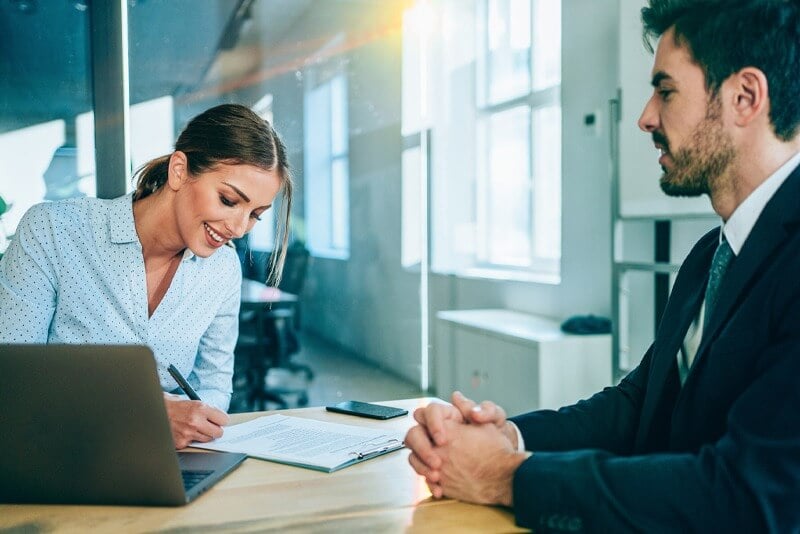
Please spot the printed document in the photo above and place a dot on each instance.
(305, 442)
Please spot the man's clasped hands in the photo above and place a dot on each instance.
(466, 451)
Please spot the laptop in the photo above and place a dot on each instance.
(86, 424)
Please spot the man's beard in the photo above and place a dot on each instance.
(699, 167)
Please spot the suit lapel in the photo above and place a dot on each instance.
(682, 308)
(771, 229)
(684, 303)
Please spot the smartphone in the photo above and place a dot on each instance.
(366, 409)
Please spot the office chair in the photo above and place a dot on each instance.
(293, 280)
(264, 344)
(267, 336)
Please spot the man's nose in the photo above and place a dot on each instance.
(648, 120)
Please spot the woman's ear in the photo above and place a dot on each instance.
(177, 172)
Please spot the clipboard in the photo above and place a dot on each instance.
(306, 443)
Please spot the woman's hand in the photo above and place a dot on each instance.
(192, 420)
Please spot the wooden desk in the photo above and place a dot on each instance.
(380, 495)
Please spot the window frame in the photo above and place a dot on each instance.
(535, 99)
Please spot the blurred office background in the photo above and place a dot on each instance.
(457, 166)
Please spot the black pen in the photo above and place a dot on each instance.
(190, 392)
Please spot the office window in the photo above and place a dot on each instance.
(508, 48)
(152, 128)
(504, 207)
(326, 172)
(518, 181)
(494, 157)
(262, 236)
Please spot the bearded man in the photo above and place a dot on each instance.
(704, 435)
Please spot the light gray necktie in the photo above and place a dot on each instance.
(719, 265)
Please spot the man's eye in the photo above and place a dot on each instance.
(225, 201)
(255, 216)
(665, 93)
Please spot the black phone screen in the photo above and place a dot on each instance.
(366, 409)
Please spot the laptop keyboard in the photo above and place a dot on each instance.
(193, 478)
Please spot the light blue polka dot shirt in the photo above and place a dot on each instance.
(74, 273)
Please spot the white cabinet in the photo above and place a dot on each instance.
(520, 361)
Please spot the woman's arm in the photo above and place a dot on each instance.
(28, 283)
(213, 368)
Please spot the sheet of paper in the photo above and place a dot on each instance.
(305, 442)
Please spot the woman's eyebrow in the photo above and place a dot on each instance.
(239, 191)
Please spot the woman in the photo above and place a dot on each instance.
(153, 267)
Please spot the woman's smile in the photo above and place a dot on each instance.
(213, 237)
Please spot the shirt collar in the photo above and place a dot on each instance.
(121, 226)
(120, 220)
(741, 222)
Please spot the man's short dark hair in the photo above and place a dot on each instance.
(725, 36)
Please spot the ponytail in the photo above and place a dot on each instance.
(150, 177)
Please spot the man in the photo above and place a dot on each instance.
(704, 435)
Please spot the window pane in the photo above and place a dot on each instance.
(509, 45)
(412, 58)
(340, 214)
(547, 182)
(317, 167)
(411, 251)
(44, 88)
(338, 115)
(546, 43)
(152, 131)
(509, 188)
(262, 236)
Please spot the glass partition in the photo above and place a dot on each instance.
(46, 146)
(328, 75)
(423, 135)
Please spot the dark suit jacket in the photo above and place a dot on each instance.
(720, 454)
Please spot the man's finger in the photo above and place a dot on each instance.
(421, 468)
(436, 490)
(419, 415)
(463, 404)
(488, 412)
(432, 418)
(419, 441)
